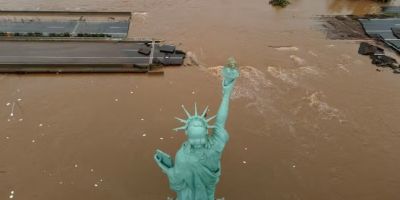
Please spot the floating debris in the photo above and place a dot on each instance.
(294, 166)
(142, 119)
(20, 120)
(96, 185)
(245, 148)
(91, 170)
(131, 92)
(7, 137)
(193, 92)
(368, 49)
(60, 182)
(40, 125)
(161, 138)
(8, 104)
(280, 3)
(33, 141)
(76, 165)
(244, 162)
(144, 134)
(286, 48)
(378, 56)
(115, 100)
(12, 109)
(19, 99)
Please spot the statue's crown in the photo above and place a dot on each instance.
(190, 118)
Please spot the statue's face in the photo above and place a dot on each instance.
(197, 133)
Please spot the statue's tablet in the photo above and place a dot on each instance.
(164, 158)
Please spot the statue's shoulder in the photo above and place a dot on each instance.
(219, 138)
(219, 132)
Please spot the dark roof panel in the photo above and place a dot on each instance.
(383, 28)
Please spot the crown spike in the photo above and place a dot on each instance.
(209, 119)
(195, 109)
(204, 112)
(187, 113)
(180, 128)
(181, 120)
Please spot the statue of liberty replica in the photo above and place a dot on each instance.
(197, 167)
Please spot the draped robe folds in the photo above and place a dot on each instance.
(197, 171)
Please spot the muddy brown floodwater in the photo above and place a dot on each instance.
(310, 119)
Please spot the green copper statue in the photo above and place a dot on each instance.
(197, 167)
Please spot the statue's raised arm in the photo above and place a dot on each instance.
(230, 73)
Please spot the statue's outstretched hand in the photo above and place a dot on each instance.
(164, 168)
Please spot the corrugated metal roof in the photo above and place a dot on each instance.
(383, 29)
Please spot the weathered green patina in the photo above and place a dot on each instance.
(197, 167)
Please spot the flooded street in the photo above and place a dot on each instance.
(310, 119)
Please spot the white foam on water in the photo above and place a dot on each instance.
(252, 85)
(286, 76)
(291, 48)
(324, 109)
(297, 60)
(140, 15)
(191, 59)
(312, 53)
(343, 67)
(262, 91)
(309, 70)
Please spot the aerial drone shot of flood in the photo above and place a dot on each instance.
(200, 100)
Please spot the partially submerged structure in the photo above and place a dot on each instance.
(381, 29)
(64, 24)
(49, 41)
(74, 56)
(384, 29)
(378, 56)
